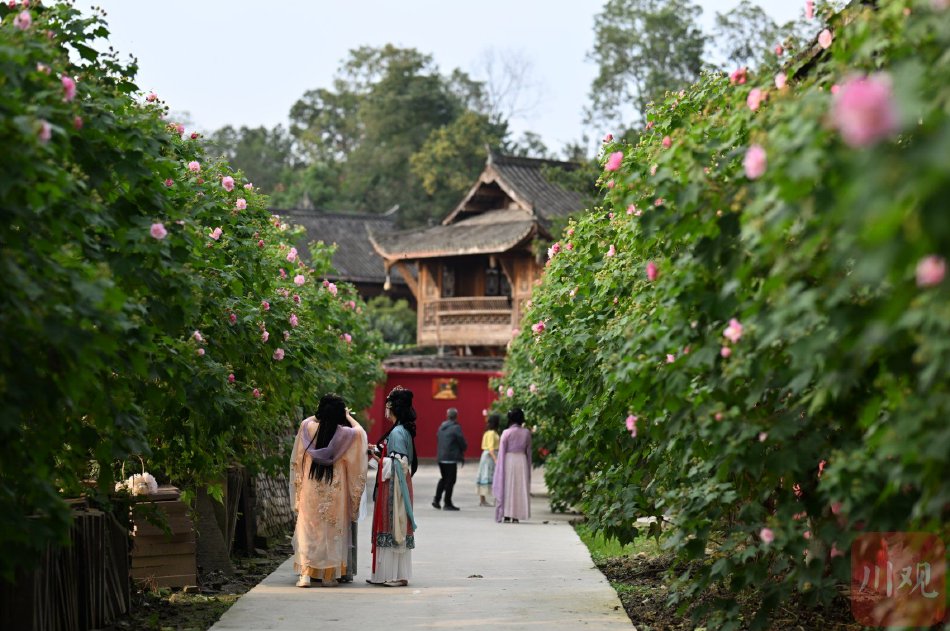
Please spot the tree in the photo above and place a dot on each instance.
(642, 48)
(529, 145)
(325, 123)
(310, 185)
(393, 319)
(453, 155)
(750, 333)
(263, 154)
(371, 141)
(510, 91)
(145, 302)
(576, 150)
(745, 36)
(408, 102)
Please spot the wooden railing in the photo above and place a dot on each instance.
(466, 320)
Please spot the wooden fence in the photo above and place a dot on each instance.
(87, 585)
(84, 586)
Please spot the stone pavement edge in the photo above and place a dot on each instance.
(469, 572)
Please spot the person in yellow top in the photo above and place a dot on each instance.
(486, 466)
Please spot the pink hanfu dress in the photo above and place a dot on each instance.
(322, 536)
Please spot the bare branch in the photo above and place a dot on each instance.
(511, 89)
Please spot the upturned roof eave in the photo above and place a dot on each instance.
(499, 248)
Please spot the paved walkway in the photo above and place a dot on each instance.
(468, 573)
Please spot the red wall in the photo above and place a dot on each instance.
(474, 396)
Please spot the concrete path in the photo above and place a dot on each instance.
(468, 573)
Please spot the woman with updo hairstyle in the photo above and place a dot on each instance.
(327, 478)
(393, 522)
(512, 481)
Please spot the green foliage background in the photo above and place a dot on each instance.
(394, 129)
(830, 416)
(395, 320)
(118, 344)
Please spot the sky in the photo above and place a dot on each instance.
(243, 62)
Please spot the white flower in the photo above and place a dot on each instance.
(139, 484)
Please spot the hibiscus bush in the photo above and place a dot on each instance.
(150, 305)
(750, 339)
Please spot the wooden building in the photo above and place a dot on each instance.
(475, 271)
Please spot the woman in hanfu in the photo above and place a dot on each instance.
(512, 481)
(327, 478)
(393, 523)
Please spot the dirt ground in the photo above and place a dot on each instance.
(641, 584)
(176, 610)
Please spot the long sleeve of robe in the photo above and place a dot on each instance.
(511, 483)
(322, 535)
(393, 520)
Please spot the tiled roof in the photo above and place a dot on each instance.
(355, 260)
(524, 181)
(489, 233)
(526, 177)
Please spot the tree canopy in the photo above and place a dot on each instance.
(268, 153)
(645, 49)
(642, 48)
(391, 130)
(745, 35)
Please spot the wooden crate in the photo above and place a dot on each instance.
(160, 559)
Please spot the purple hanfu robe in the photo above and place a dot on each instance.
(512, 480)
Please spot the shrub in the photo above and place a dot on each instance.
(132, 293)
(764, 300)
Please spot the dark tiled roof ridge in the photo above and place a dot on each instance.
(422, 229)
(337, 214)
(354, 259)
(397, 233)
(505, 159)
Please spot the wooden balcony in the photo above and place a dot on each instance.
(473, 321)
